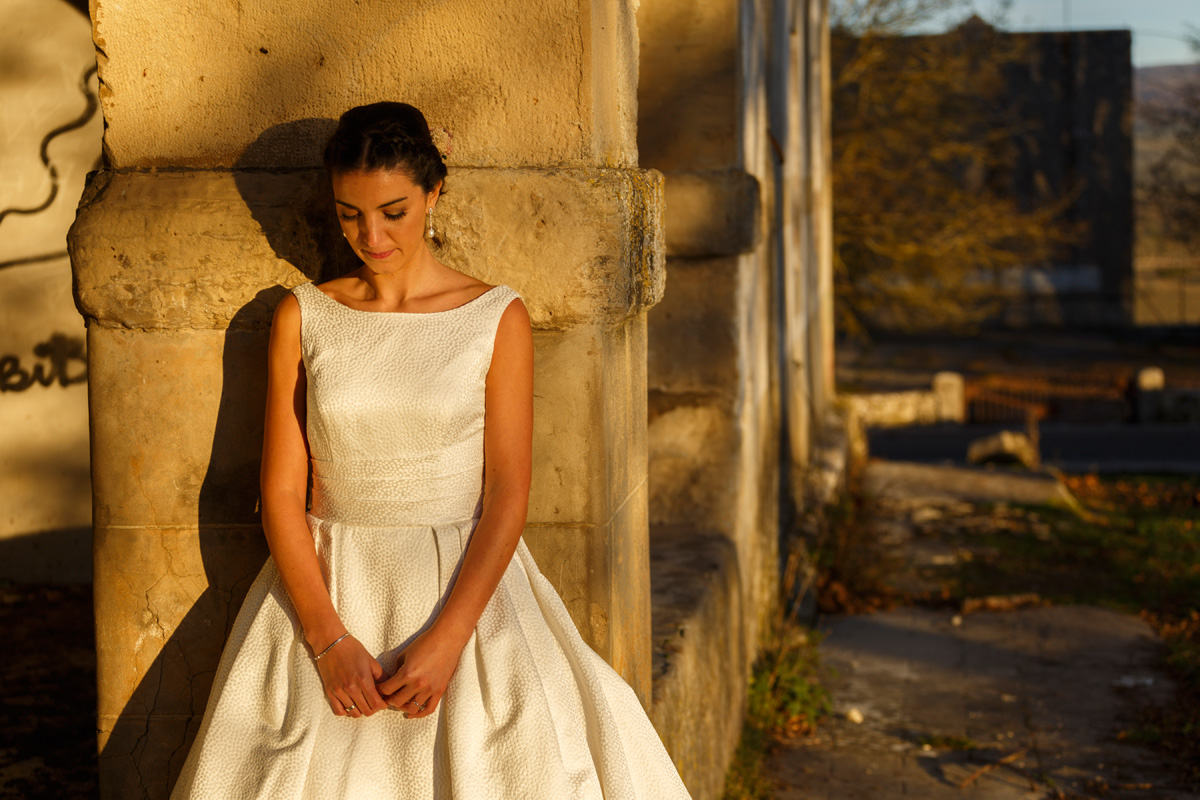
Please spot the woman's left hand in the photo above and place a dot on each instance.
(424, 672)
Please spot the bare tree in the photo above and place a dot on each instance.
(925, 222)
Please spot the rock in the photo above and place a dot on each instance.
(855, 716)
(911, 483)
(1005, 447)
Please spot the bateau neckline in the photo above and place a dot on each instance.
(474, 299)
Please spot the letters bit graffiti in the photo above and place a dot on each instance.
(60, 350)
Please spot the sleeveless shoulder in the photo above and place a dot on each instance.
(304, 295)
(311, 308)
(491, 306)
(309, 305)
(496, 300)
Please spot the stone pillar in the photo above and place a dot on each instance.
(818, 113)
(949, 397)
(210, 207)
(1148, 399)
(713, 373)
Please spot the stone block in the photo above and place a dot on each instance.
(701, 653)
(166, 598)
(949, 395)
(688, 88)
(693, 456)
(1005, 447)
(177, 422)
(712, 213)
(165, 601)
(589, 422)
(143, 757)
(517, 82)
(167, 250)
(602, 574)
(928, 483)
(693, 346)
(624, 398)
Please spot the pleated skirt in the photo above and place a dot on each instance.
(531, 712)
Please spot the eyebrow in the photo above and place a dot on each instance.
(383, 205)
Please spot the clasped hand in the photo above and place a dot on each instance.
(355, 684)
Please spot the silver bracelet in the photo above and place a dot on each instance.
(317, 657)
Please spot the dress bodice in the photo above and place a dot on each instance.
(395, 405)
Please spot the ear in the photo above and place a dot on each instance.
(434, 194)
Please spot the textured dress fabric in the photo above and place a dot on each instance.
(395, 419)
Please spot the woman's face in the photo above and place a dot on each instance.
(383, 216)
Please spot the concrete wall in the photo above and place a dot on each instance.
(732, 102)
(52, 127)
(210, 208)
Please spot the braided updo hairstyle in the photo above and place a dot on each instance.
(387, 136)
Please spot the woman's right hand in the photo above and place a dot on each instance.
(349, 674)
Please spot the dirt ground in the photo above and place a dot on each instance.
(47, 692)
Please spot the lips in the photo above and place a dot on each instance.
(378, 256)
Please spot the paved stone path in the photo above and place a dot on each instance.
(1050, 687)
(1057, 683)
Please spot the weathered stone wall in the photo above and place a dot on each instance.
(491, 72)
(740, 347)
(52, 127)
(211, 208)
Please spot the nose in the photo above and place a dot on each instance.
(370, 232)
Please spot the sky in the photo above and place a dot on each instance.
(1159, 26)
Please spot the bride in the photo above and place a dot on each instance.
(400, 641)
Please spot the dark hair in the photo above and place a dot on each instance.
(387, 136)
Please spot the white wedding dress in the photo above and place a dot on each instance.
(395, 430)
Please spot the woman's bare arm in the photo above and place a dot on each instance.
(347, 676)
(429, 661)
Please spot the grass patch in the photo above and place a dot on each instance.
(1138, 551)
(786, 696)
(852, 572)
(940, 742)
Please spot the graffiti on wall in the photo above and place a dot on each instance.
(52, 172)
(64, 362)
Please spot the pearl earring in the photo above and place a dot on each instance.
(429, 217)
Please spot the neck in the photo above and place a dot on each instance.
(411, 279)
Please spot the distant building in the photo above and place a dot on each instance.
(1075, 89)
(1068, 98)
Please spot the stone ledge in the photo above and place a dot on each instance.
(700, 653)
(712, 213)
(162, 250)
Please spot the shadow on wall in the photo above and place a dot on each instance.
(151, 739)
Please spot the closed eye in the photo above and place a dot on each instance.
(393, 217)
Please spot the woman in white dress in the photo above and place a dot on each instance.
(400, 642)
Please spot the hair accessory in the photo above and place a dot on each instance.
(443, 140)
(317, 657)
